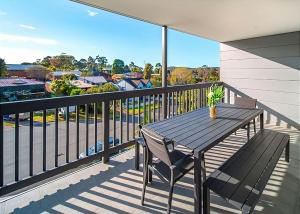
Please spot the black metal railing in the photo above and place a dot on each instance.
(42, 138)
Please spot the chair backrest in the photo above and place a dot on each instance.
(245, 102)
(157, 145)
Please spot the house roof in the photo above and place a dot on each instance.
(61, 73)
(14, 82)
(95, 79)
(81, 84)
(212, 19)
(19, 67)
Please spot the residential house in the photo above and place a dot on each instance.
(133, 84)
(58, 74)
(94, 80)
(11, 88)
(19, 70)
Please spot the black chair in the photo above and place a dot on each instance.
(170, 164)
(246, 103)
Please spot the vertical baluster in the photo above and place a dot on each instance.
(228, 95)
(77, 131)
(95, 126)
(144, 110)
(188, 100)
(158, 106)
(67, 134)
(105, 116)
(16, 147)
(133, 118)
(177, 103)
(154, 108)
(127, 119)
(139, 112)
(121, 121)
(44, 140)
(86, 129)
(169, 105)
(149, 109)
(184, 101)
(114, 122)
(56, 138)
(1, 151)
(31, 144)
(173, 108)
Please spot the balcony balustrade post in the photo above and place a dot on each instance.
(105, 117)
(164, 68)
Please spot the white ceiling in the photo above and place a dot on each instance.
(220, 20)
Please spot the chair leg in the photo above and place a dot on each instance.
(248, 132)
(287, 152)
(206, 200)
(254, 125)
(170, 194)
(137, 156)
(145, 163)
(145, 178)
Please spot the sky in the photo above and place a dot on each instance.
(33, 29)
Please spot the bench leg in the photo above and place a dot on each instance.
(287, 152)
(248, 131)
(137, 156)
(206, 200)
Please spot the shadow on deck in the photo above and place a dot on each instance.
(116, 187)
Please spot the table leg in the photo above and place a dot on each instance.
(261, 120)
(150, 162)
(197, 183)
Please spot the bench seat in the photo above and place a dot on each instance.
(243, 177)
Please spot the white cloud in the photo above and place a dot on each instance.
(19, 55)
(29, 27)
(2, 13)
(92, 13)
(35, 40)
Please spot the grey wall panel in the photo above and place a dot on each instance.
(272, 74)
(266, 68)
(265, 41)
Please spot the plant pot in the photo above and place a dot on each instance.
(213, 112)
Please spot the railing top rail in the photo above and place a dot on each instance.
(58, 102)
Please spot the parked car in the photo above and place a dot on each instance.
(99, 148)
(22, 116)
(63, 111)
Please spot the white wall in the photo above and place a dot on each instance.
(268, 69)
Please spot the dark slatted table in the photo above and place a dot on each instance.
(198, 132)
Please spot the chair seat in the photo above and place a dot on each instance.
(182, 164)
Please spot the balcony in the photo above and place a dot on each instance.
(50, 167)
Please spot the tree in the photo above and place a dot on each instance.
(37, 72)
(136, 69)
(3, 68)
(157, 69)
(62, 87)
(118, 66)
(181, 76)
(68, 77)
(46, 61)
(81, 64)
(63, 62)
(92, 65)
(147, 71)
(102, 62)
(75, 91)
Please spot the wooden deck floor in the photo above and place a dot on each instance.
(116, 187)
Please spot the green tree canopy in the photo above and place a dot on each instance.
(118, 66)
(3, 68)
(158, 68)
(63, 62)
(148, 71)
(62, 87)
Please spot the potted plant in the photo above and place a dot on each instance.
(214, 96)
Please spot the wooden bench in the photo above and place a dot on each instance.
(242, 178)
